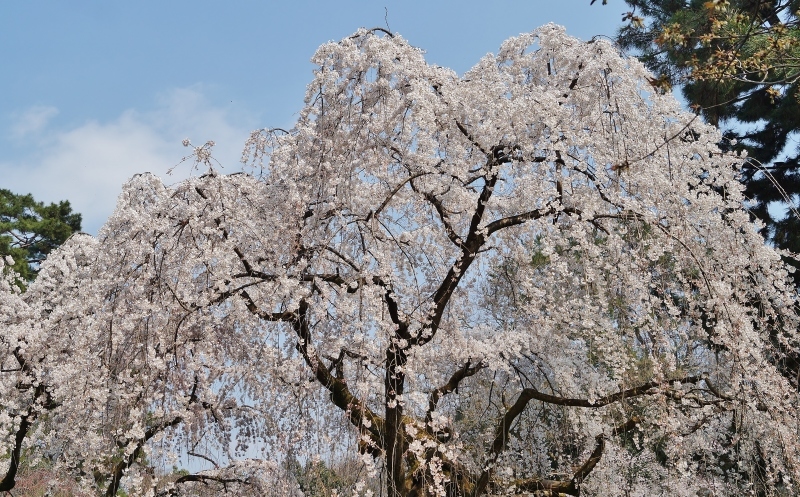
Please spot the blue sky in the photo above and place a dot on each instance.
(96, 91)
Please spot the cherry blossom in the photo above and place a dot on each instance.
(539, 276)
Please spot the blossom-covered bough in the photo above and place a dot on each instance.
(536, 278)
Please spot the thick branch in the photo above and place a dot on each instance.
(395, 442)
(120, 467)
(394, 315)
(9, 480)
(451, 385)
(474, 241)
(533, 394)
(501, 432)
(266, 316)
(26, 421)
(335, 279)
(358, 414)
(518, 219)
(448, 228)
(204, 479)
(568, 487)
(208, 478)
(470, 248)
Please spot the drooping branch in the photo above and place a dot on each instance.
(343, 257)
(469, 137)
(266, 316)
(204, 457)
(118, 470)
(500, 441)
(572, 486)
(394, 191)
(372, 31)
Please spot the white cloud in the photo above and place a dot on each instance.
(32, 120)
(88, 164)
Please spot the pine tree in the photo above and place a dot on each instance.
(29, 230)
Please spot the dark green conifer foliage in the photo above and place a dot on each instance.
(29, 230)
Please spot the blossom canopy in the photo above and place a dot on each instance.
(539, 276)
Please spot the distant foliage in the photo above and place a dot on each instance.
(29, 230)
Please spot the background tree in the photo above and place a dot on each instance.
(535, 278)
(29, 230)
(738, 63)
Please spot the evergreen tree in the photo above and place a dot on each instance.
(29, 230)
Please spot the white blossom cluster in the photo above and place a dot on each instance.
(536, 277)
